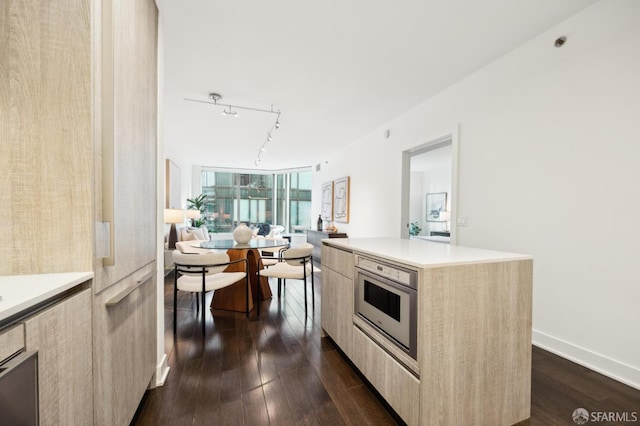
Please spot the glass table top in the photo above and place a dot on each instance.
(256, 243)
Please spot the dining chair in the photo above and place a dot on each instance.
(296, 264)
(275, 254)
(204, 272)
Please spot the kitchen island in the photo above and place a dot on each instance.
(467, 359)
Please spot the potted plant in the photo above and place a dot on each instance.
(414, 229)
(198, 203)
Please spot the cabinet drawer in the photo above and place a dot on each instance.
(11, 341)
(396, 385)
(339, 260)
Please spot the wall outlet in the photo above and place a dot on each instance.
(462, 221)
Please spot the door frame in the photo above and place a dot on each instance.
(447, 137)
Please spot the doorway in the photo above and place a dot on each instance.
(429, 189)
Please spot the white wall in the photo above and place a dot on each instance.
(548, 166)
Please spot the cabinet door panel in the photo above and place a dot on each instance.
(396, 385)
(128, 184)
(62, 337)
(337, 308)
(124, 348)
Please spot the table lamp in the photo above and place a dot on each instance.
(193, 214)
(444, 216)
(173, 216)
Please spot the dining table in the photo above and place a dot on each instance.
(233, 298)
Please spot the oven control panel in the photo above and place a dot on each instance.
(391, 272)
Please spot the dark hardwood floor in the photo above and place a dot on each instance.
(278, 370)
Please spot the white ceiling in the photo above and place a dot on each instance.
(337, 69)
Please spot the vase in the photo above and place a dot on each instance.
(242, 234)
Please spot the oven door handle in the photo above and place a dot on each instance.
(384, 280)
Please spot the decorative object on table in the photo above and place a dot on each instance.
(173, 216)
(242, 234)
(197, 203)
(341, 199)
(414, 229)
(172, 185)
(326, 200)
(319, 228)
(332, 229)
(436, 203)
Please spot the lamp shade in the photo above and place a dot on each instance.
(173, 215)
(193, 214)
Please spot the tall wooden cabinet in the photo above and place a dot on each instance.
(78, 107)
(124, 303)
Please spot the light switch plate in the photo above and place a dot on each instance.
(462, 221)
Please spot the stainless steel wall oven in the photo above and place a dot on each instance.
(386, 298)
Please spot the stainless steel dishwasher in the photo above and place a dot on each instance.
(19, 389)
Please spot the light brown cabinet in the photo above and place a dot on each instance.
(394, 382)
(125, 293)
(124, 346)
(337, 296)
(62, 334)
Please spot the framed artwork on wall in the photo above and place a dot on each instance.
(326, 211)
(341, 199)
(436, 203)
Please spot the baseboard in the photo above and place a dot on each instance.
(612, 368)
(162, 371)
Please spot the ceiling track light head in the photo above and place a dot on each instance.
(215, 97)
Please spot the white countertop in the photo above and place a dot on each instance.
(21, 292)
(420, 253)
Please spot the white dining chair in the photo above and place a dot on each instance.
(201, 273)
(296, 264)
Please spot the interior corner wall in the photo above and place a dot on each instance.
(548, 153)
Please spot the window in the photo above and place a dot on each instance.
(256, 198)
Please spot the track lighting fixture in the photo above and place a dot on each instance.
(231, 113)
(215, 97)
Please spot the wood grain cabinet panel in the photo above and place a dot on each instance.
(396, 385)
(337, 296)
(11, 341)
(46, 150)
(475, 343)
(62, 337)
(124, 344)
(339, 260)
